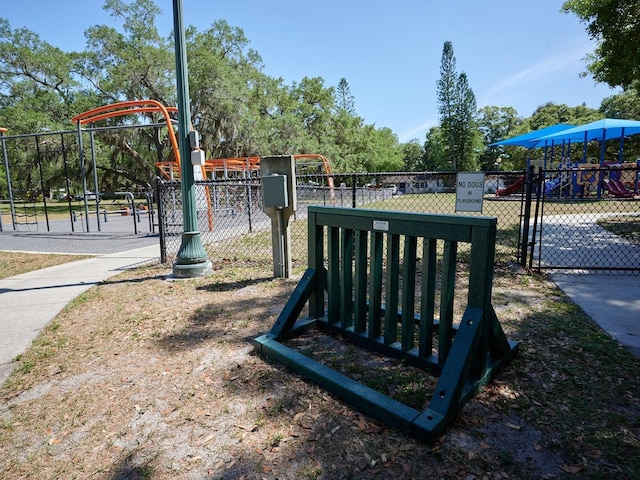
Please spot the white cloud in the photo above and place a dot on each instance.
(563, 60)
(417, 132)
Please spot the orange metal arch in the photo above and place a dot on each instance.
(132, 107)
(238, 164)
(326, 166)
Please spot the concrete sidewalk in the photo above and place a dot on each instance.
(611, 299)
(28, 302)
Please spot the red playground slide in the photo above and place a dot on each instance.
(617, 189)
(514, 187)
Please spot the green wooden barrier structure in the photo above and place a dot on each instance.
(386, 304)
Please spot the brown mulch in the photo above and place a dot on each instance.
(148, 377)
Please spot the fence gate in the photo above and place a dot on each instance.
(578, 221)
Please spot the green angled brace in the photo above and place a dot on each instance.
(291, 311)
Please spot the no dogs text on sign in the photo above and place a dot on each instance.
(469, 192)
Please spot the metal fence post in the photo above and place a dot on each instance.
(354, 189)
(538, 182)
(160, 193)
(528, 183)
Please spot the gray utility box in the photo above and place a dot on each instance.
(274, 193)
(278, 176)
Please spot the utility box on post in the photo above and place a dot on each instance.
(278, 176)
(274, 191)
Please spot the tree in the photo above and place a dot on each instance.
(615, 25)
(344, 99)
(495, 124)
(435, 151)
(135, 63)
(624, 105)
(446, 94)
(457, 110)
(226, 83)
(468, 140)
(33, 68)
(412, 154)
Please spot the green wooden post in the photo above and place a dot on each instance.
(408, 293)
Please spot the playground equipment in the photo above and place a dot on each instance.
(617, 188)
(246, 166)
(388, 305)
(587, 177)
(620, 180)
(513, 188)
(136, 107)
(619, 176)
(8, 174)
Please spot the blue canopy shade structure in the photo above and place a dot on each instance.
(600, 130)
(530, 140)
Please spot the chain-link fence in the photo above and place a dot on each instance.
(587, 218)
(233, 226)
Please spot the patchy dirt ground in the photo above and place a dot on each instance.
(148, 377)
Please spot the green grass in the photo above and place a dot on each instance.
(16, 263)
(625, 226)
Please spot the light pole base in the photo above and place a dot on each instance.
(193, 270)
(192, 261)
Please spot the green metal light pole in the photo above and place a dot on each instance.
(192, 260)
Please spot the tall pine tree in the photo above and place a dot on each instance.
(457, 111)
(344, 98)
(446, 92)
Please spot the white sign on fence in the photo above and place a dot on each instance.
(469, 192)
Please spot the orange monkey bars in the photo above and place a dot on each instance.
(133, 107)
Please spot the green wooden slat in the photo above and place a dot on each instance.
(447, 292)
(403, 223)
(375, 286)
(360, 288)
(346, 278)
(391, 291)
(333, 274)
(427, 297)
(408, 293)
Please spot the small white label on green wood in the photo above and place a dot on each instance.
(382, 225)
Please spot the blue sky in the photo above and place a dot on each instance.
(515, 53)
